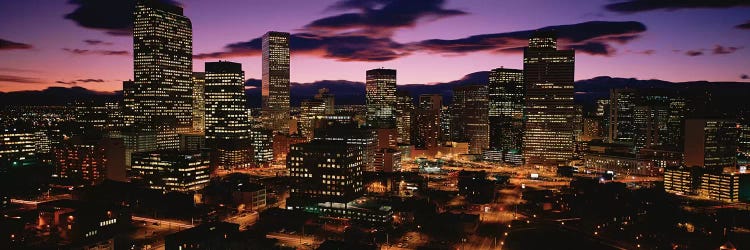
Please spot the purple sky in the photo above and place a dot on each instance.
(699, 40)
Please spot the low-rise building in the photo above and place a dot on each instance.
(171, 170)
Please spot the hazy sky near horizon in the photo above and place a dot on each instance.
(86, 43)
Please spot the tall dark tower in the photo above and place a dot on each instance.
(161, 92)
(227, 123)
(275, 87)
(380, 87)
(549, 109)
(506, 109)
(470, 116)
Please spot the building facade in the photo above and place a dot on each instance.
(549, 109)
(227, 124)
(160, 98)
(275, 82)
(470, 117)
(171, 170)
(506, 102)
(380, 94)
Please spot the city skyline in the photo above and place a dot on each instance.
(641, 43)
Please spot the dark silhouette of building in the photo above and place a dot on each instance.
(214, 235)
(506, 109)
(470, 117)
(711, 143)
(427, 121)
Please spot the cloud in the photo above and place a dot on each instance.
(340, 47)
(721, 50)
(694, 52)
(744, 26)
(744, 77)
(647, 52)
(18, 79)
(9, 45)
(115, 17)
(97, 52)
(96, 42)
(381, 16)
(634, 6)
(593, 38)
(74, 82)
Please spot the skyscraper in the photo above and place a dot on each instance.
(325, 171)
(275, 86)
(622, 115)
(711, 143)
(404, 114)
(427, 125)
(506, 109)
(309, 111)
(161, 93)
(380, 93)
(549, 110)
(471, 123)
(199, 102)
(227, 124)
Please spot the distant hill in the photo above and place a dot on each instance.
(352, 92)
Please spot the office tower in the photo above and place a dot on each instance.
(621, 115)
(404, 114)
(310, 110)
(676, 122)
(227, 124)
(711, 143)
(79, 162)
(470, 114)
(328, 99)
(262, 144)
(281, 144)
(446, 118)
(360, 137)
(137, 141)
(427, 122)
(103, 117)
(17, 147)
(199, 102)
(380, 93)
(160, 97)
(387, 160)
(650, 121)
(275, 86)
(325, 171)
(171, 170)
(549, 111)
(506, 109)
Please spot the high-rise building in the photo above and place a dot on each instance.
(427, 122)
(160, 97)
(470, 117)
(549, 110)
(329, 100)
(622, 126)
(79, 162)
(711, 143)
(227, 124)
(404, 114)
(199, 102)
(309, 111)
(326, 171)
(262, 144)
(275, 85)
(17, 147)
(380, 93)
(171, 170)
(506, 109)
(364, 138)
